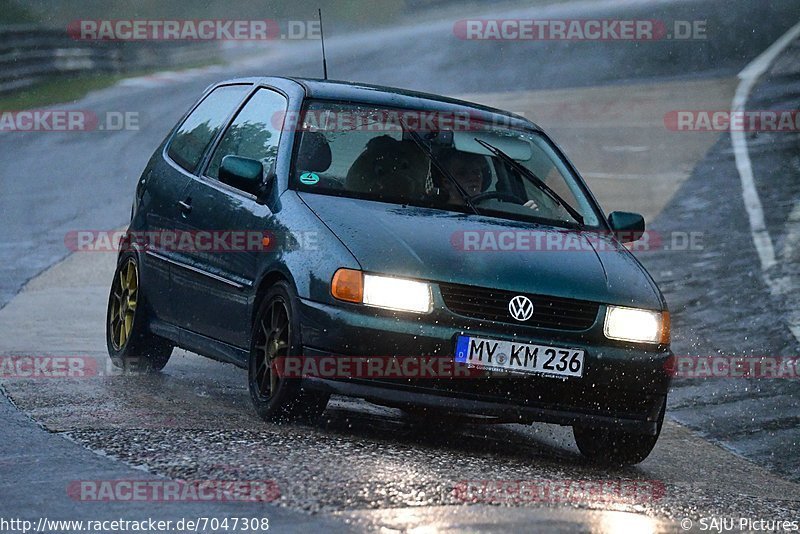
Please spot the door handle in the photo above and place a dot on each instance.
(185, 206)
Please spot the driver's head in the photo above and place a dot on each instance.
(470, 170)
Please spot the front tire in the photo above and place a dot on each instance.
(276, 336)
(614, 447)
(131, 345)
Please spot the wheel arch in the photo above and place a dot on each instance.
(269, 279)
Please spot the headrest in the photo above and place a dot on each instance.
(314, 154)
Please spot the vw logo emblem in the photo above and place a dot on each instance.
(520, 308)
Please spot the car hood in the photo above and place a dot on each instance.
(429, 244)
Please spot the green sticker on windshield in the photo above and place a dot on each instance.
(309, 178)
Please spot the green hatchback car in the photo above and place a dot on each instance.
(412, 250)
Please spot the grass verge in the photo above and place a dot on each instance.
(67, 89)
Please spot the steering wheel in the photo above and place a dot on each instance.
(499, 195)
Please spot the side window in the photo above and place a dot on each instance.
(255, 131)
(545, 165)
(203, 124)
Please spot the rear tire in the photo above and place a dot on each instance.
(614, 447)
(131, 345)
(276, 335)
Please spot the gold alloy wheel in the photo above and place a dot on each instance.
(272, 343)
(125, 294)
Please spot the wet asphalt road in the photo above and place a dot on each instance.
(38, 466)
(757, 418)
(194, 421)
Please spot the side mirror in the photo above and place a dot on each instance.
(628, 227)
(242, 173)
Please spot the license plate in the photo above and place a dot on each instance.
(510, 356)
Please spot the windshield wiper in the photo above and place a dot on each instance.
(535, 180)
(421, 144)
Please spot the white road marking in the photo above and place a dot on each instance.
(758, 229)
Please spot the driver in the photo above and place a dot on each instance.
(470, 171)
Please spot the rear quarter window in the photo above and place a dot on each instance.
(203, 124)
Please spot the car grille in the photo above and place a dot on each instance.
(492, 304)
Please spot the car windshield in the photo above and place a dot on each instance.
(414, 157)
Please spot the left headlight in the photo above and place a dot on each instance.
(400, 294)
(638, 326)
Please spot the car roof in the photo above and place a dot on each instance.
(388, 96)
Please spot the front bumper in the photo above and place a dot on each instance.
(622, 386)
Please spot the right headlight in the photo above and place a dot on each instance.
(636, 325)
(388, 292)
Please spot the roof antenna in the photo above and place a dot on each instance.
(322, 40)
